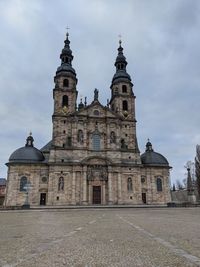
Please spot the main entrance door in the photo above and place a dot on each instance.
(96, 194)
(43, 199)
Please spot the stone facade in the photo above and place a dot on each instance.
(93, 157)
(2, 190)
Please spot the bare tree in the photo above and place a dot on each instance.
(197, 168)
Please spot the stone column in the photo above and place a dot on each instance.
(89, 193)
(110, 189)
(84, 186)
(119, 188)
(73, 188)
(103, 194)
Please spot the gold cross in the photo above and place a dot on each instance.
(67, 28)
(120, 41)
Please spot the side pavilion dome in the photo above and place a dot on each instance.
(27, 154)
(152, 158)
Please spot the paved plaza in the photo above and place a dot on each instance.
(142, 237)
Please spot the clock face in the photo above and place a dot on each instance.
(125, 113)
(65, 109)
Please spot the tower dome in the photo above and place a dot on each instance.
(153, 158)
(66, 60)
(27, 154)
(121, 74)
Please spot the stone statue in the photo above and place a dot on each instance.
(96, 94)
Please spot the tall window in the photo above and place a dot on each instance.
(65, 101)
(124, 89)
(65, 82)
(159, 184)
(96, 141)
(125, 105)
(129, 185)
(80, 136)
(61, 184)
(23, 183)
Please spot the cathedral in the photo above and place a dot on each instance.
(93, 157)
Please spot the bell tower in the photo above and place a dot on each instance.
(122, 96)
(122, 102)
(65, 97)
(65, 93)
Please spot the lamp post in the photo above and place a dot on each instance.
(26, 204)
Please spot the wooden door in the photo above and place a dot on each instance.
(43, 199)
(96, 194)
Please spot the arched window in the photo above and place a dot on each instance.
(96, 112)
(66, 83)
(159, 184)
(125, 105)
(23, 183)
(129, 185)
(124, 89)
(80, 136)
(61, 184)
(65, 101)
(112, 138)
(96, 141)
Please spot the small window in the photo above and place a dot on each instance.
(57, 198)
(129, 185)
(125, 105)
(124, 89)
(65, 101)
(96, 142)
(23, 183)
(61, 184)
(159, 184)
(66, 83)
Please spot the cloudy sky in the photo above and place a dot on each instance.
(161, 43)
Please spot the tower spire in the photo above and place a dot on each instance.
(120, 64)
(66, 57)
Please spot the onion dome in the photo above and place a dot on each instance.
(121, 75)
(153, 158)
(27, 154)
(66, 60)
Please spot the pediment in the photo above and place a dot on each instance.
(97, 110)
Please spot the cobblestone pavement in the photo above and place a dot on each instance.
(100, 237)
